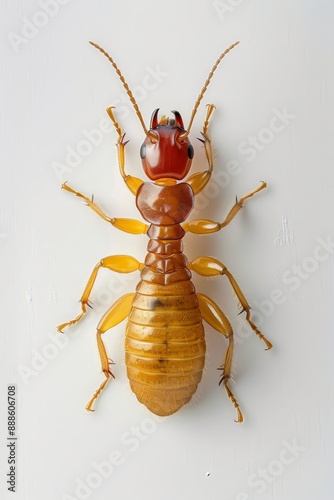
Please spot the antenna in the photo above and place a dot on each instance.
(125, 85)
(206, 84)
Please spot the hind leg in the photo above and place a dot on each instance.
(215, 317)
(117, 313)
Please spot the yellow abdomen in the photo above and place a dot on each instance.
(164, 345)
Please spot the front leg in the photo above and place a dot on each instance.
(199, 181)
(133, 183)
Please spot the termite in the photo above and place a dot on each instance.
(164, 339)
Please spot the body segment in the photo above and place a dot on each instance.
(164, 345)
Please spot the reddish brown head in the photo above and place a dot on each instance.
(166, 151)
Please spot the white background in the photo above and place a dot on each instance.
(56, 87)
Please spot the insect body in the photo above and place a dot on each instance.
(164, 342)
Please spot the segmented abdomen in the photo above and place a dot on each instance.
(164, 345)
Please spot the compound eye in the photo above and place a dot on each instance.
(190, 152)
(143, 151)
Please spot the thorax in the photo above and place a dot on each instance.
(165, 205)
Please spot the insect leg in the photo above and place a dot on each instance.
(238, 204)
(204, 226)
(87, 201)
(117, 263)
(117, 313)
(209, 112)
(199, 180)
(208, 266)
(206, 139)
(133, 183)
(215, 317)
(128, 225)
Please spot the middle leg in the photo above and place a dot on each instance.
(204, 226)
(208, 266)
(117, 263)
(131, 226)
